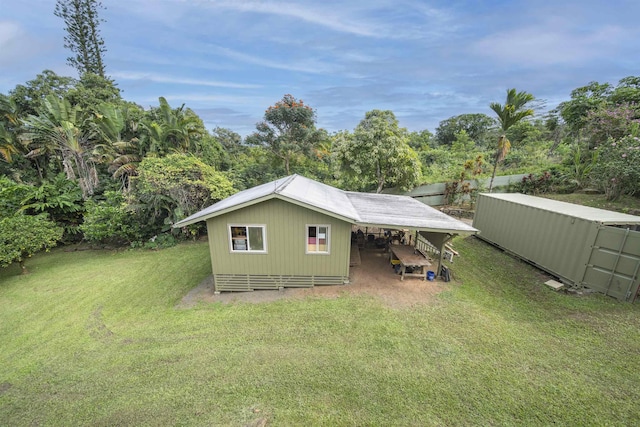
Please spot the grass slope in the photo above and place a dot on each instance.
(94, 338)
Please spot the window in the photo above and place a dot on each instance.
(318, 239)
(247, 238)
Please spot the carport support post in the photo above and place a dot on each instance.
(442, 246)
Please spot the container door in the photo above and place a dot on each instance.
(614, 264)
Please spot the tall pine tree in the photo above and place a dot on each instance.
(83, 35)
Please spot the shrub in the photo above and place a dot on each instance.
(171, 188)
(21, 236)
(111, 221)
(618, 168)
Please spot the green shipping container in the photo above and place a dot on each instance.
(580, 245)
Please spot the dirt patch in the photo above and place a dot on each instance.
(96, 326)
(373, 277)
(4, 387)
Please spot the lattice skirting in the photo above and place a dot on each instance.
(250, 282)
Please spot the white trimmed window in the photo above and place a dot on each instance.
(318, 239)
(248, 238)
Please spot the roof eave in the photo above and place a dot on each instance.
(412, 227)
(317, 209)
(279, 196)
(188, 221)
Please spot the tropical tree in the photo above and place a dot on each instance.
(83, 34)
(508, 114)
(121, 154)
(627, 91)
(92, 90)
(232, 147)
(287, 131)
(9, 123)
(60, 128)
(421, 141)
(170, 130)
(583, 100)
(376, 155)
(477, 126)
(29, 97)
(171, 188)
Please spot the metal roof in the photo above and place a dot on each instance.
(383, 210)
(569, 209)
(392, 211)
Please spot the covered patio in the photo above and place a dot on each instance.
(415, 235)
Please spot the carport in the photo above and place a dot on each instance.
(431, 229)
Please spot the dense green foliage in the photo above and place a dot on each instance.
(618, 166)
(476, 126)
(376, 155)
(21, 236)
(111, 221)
(495, 348)
(287, 131)
(171, 188)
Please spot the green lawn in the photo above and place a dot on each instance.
(94, 338)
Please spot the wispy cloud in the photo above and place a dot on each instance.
(159, 78)
(326, 17)
(554, 43)
(310, 65)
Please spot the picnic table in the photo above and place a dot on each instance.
(409, 256)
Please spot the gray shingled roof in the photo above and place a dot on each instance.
(577, 211)
(367, 209)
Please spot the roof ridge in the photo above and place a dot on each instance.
(287, 181)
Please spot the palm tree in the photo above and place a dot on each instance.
(59, 128)
(122, 156)
(172, 130)
(508, 115)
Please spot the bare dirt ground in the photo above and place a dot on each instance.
(373, 277)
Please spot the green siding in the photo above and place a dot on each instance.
(285, 237)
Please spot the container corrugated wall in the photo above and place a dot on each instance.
(555, 242)
(285, 236)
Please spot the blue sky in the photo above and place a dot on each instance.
(424, 60)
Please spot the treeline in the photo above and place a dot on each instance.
(78, 162)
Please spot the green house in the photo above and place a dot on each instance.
(296, 232)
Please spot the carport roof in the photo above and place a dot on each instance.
(365, 209)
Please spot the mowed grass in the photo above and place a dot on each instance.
(95, 338)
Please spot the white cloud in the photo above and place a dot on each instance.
(553, 44)
(159, 78)
(311, 65)
(325, 17)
